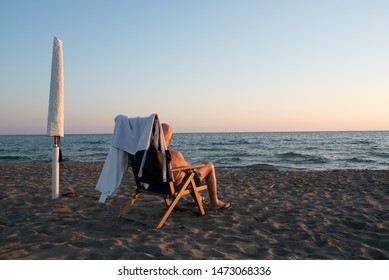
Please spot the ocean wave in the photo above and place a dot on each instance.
(293, 157)
(360, 160)
(262, 167)
(361, 142)
(97, 142)
(379, 154)
(213, 149)
(12, 158)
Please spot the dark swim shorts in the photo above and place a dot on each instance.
(196, 178)
(165, 188)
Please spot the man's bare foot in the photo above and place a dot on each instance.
(222, 205)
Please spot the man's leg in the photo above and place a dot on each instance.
(209, 175)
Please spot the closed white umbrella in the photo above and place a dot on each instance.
(55, 120)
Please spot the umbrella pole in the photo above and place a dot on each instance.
(55, 169)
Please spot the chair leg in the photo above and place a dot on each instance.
(199, 203)
(178, 197)
(197, 197)
(174, 202)
(168, 202)
(130, 203)
(170, 209)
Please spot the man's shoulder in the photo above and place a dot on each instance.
(175, 153)
(177, 159)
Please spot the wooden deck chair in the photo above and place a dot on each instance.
(168, 192)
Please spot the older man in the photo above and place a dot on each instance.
(206, 173)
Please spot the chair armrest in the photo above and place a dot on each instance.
(188, 168)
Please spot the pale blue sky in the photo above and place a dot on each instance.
(201, 65)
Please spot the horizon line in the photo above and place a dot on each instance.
(209, 132)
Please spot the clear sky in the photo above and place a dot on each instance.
(202, 65)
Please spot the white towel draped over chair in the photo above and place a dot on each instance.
(130, 136)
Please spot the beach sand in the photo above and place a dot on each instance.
(274, 215)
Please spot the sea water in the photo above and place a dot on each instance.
(264, 150)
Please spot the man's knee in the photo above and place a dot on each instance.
(210, 165)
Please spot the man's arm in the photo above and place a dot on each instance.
(177, 159)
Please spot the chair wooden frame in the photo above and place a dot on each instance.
(173, 196)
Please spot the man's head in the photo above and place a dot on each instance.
(168, 133)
